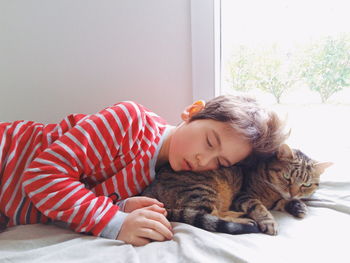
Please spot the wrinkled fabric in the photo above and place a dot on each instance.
(322, 236)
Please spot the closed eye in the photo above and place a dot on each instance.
(208, 142)
(219, 165)
(223, 163)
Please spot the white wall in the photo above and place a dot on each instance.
(61, 57)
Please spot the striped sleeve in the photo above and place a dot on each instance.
(52, 181)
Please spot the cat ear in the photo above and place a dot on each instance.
(193, 109)
(321, 167)
(285, 152)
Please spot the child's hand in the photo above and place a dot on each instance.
(137, 202)
(145, 224)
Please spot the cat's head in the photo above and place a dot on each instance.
(295, 175)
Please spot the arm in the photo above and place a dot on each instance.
(52, 181)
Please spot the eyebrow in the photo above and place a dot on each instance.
(217, 137)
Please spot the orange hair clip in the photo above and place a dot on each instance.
(200, 103)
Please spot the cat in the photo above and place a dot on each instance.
(280, 183)
(235, 200)
(202, 199)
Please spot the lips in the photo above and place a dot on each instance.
(186, 165)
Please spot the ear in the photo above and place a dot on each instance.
(193, 109)
(285, 152)
(321, 167)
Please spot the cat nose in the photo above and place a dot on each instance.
(294, 191)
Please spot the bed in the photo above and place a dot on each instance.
(323, 236)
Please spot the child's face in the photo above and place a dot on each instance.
(203, 145)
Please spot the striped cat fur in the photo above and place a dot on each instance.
(237, 200)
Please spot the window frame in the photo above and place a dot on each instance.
(206, 48)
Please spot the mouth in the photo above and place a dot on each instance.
(186, 165)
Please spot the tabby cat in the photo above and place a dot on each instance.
(279, 183)
(202, 199)
(236, 200)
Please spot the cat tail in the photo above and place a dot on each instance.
(210, 222)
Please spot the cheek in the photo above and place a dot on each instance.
(176, 146)
(276, 178)
(182, 144)
(280, 183)
(307, 191)
(178, 150)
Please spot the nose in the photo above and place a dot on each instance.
(205, 161)
(294, 191)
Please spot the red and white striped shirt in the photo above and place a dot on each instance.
(77, 170)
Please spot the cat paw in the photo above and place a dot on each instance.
(268, 226)
(248, 221)
(296, 208)
(244, 220)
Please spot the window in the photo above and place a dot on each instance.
(283, 48)
(293, 55)
(206, 48)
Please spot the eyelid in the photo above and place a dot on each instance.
(225, 163)
(208, 142)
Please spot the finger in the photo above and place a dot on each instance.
(140, 241)
(150, 233)
(159, 228)
(131, 237)
(147, 201)
(156, 208)
(158, 223)
(158, 216)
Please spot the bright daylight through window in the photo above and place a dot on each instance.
(295, 56)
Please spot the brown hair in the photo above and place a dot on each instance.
(260, 126)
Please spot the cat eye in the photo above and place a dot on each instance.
(307, 184)
(286, 176)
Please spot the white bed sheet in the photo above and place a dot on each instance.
(323, 236)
